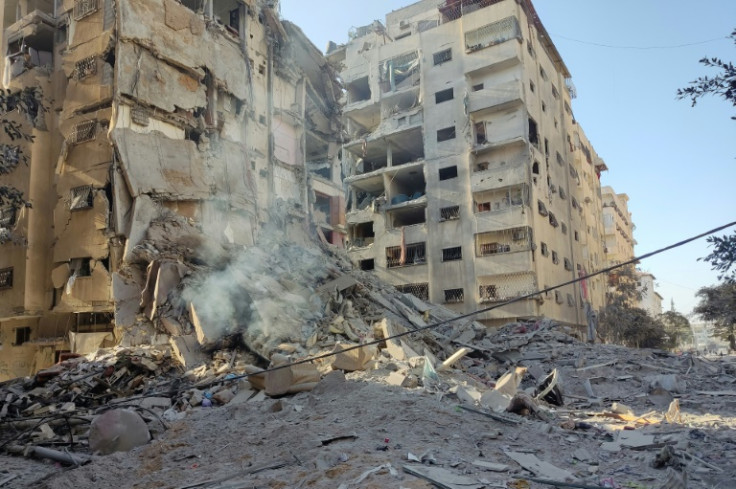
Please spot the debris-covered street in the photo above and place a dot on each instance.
(453, 406)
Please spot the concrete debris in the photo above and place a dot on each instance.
(117, 430)
(597, 407)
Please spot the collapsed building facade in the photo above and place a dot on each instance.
(470, 181)
(172, 128)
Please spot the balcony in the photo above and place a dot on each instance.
(403, 146)
(30, 43)
(494, 97)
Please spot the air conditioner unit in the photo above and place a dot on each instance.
(404, 24)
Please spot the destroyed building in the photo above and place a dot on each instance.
(172, 127)
(470, 181)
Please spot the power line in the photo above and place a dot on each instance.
(643, 48)
(479, 311)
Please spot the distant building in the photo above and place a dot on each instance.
(470, 181)
(650, 301)
(618, 227)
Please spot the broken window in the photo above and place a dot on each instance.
(454, 296)
(535, 168)
(480, 133)
(409, 255)
(83, 132)
(542, 73)
(407, 216)
(359, 90)
(532, 87)
(442, 56)
(83, 8)
(558, 297)
(504, 241)
(448, 173)
(568, 264)
(488, 293)
(505, 287)
(563, 195)
(553, 220)
(86, 67)
(544, 107)
(22, 335)
(361, 234)
(446, 134)
(481, 166)
(81, 198)
(399, 72)
(533, 134)
(542, 208)
(7, 217)
(6, 278)
(452, 254)
(483, 206)
(555, 93)
(563, 227)
(555, 257)
(478, 87)
(491, 34)
(577, 236)
(368, 264)
(420, 291)
(560, 161)
(449, 213)
(574, 203)
(570, 300)
(444, 95)
(546, 146)
(81, 267)
(544, 249)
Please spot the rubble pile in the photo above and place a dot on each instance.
(285, 367)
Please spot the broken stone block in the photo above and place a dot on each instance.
(395, 378)
(668, 382)
(509, 382)
(186, 350)
(118, 430)
(352, 360)
(495, 401)
(223, 396)
(202, 330)
(291, 379)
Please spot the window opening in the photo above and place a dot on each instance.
(22, 335)
(442, 56)
(448, 173)
(6, 278)
(444, 95)
(414, 254)
(452, 254)
(446, 134)
(420, 291)
(450, 213)
(454, 296)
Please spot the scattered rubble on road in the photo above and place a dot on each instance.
(539, 407)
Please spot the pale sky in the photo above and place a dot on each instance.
(627, 59)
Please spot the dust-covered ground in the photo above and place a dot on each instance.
(361, 432)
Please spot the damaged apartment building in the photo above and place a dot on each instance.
(470, 181)
(172, 128)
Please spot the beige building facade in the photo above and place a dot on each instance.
(618, 227)
(469, 180)
(171, 126)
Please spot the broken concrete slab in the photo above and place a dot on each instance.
(539, 467)
(186, 350)
(508, 383)
(352, 360)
